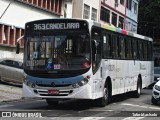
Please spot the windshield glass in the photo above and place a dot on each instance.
(57, 52)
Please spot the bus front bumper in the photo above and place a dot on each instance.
(84, 92)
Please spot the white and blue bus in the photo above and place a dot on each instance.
(83, 59)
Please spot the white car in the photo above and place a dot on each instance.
(11, 70)
(156, 93)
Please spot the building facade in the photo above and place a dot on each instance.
(86, 9)
(132, 15)
(15, 13)
(113, 12)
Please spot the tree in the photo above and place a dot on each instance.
(149, 18)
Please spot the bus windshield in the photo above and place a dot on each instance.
(57, 51)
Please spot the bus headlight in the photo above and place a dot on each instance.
(81, 83)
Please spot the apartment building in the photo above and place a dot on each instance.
(120, 13)
(113, 12)
(132, 15)
(86, 9)
(15, 13)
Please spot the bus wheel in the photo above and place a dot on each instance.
(103, 101)
(51, 101)
(137, 93)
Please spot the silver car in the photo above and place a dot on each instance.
(11, 70)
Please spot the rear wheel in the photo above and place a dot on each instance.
(51, 101)
(103, 101)
(137, 93)
(154, 101)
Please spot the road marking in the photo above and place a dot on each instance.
(133, 118)
(127, 104)
(3, 106)
(92, 118)
(54, 118)
(64, 115)
(100, 110)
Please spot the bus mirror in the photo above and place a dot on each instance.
(17, 47)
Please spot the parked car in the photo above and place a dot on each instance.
(11, 70)
(156, 93)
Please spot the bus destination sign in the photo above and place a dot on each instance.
(56, 26)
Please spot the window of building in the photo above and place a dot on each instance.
(135, 8)
(105, 14)
(122, 2)
(94, 14)
(114, 19)
(129, 4)
(86, 12)
(121, 22)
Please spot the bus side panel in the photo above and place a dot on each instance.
(150, 73)
(143, 73)
(121, 71)
(112, 73)
(133, 74)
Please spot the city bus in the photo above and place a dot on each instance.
(84, 59)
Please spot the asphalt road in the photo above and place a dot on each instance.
(122, 107)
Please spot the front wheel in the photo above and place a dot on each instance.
(103, 101)
(51, 101)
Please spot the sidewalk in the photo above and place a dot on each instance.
(9, 92)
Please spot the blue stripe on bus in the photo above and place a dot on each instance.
(58, 81)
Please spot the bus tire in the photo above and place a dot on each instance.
(51, 101)
(137, 93)
(103, 101)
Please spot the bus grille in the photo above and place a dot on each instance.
(42, 85)
(45, 92)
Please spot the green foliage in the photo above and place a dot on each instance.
(149, 10)
(149, 18)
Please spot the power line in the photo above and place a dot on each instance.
(6, 9)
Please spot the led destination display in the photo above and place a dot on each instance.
(51, 25)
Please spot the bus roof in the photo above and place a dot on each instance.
(119, 30)
(101, 25)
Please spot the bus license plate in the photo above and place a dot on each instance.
(53, 92)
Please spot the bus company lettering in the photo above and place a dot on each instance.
(56, 26)
(111, 67)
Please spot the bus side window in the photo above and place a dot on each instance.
(145, 51)
(115, 46)
(129, 49)
(135, 49)
(96, 48)
(149, 51)
(107, 45)
(141, 55)
(122, 48)
(126, 49)
(138, 50)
